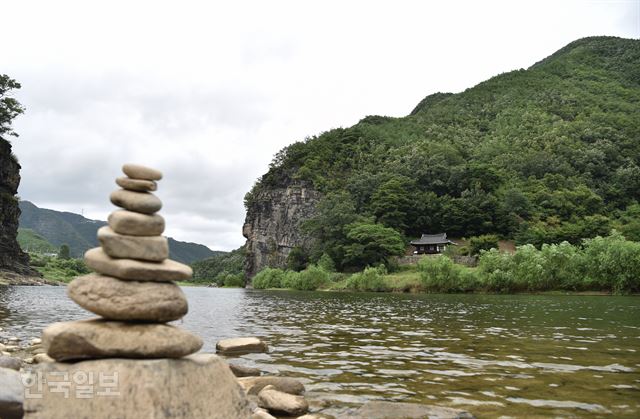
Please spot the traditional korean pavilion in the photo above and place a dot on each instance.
(431, 244)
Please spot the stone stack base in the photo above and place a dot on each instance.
(196, 386)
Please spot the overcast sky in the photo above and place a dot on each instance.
(209, 91)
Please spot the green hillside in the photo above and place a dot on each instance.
(30, 241)
(80, 233)
(546, 154)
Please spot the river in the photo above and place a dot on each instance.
(493, 355)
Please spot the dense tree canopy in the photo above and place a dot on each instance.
(546, 154)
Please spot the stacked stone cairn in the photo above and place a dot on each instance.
(133, 289)
(150, 370)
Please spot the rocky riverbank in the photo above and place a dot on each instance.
(15, 278)
(268, 396)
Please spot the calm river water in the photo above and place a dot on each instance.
(510, 356)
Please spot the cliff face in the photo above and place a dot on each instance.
(272, 224)
(11, 257)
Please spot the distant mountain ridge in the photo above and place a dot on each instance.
(79, 233)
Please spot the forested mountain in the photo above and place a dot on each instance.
(546, 154)
(79, 233)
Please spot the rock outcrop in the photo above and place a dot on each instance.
(12, 258)
(272, 224)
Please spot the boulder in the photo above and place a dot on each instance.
(136, 270)
(197, 386)
(99, 338)
(253, 385)
(315, 416)
(137, 171)
(244, 371)
(138, 185)
(393, 410)
(10, 362)
(239, 346)
(136, 224)
(150, 248)
(11, 394)
(143, 202)
(114, 299)
(278, 402)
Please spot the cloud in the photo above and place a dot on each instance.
(208, 92)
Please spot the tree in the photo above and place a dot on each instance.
(297, 259)
(333, 214)
(64, 252)
(393, 204)
(371, 244)
(9, 107)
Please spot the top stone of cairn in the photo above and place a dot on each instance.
(136, 171)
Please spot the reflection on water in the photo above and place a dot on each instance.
(492, 355)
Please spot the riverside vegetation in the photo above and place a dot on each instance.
(601, 264)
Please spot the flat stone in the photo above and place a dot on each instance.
(150, 248)
(197, 386)
(136, 224)
(253, 385)
(114, 299)
(36, 341)
(278, 402)
(393, 410)
(11, 394)
(143, 202)
(138, 185)
(10, 362)
(239, 346)
(244, 371)
(41, 358)
(137, 171)
(99, 338)
(136, 270)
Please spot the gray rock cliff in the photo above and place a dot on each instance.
(272, 224)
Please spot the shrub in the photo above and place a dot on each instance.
(612, 263)
(371, 279)
(233, 280)
(312, 278)
(479, 243)
(268, 278)
(326, 263)
(441, 274)
(291, 279)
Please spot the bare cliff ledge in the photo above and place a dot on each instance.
(272, 225)
(12, 259)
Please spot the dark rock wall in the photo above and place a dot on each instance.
(11, 257)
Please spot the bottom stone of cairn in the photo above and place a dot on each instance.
(197, 386)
